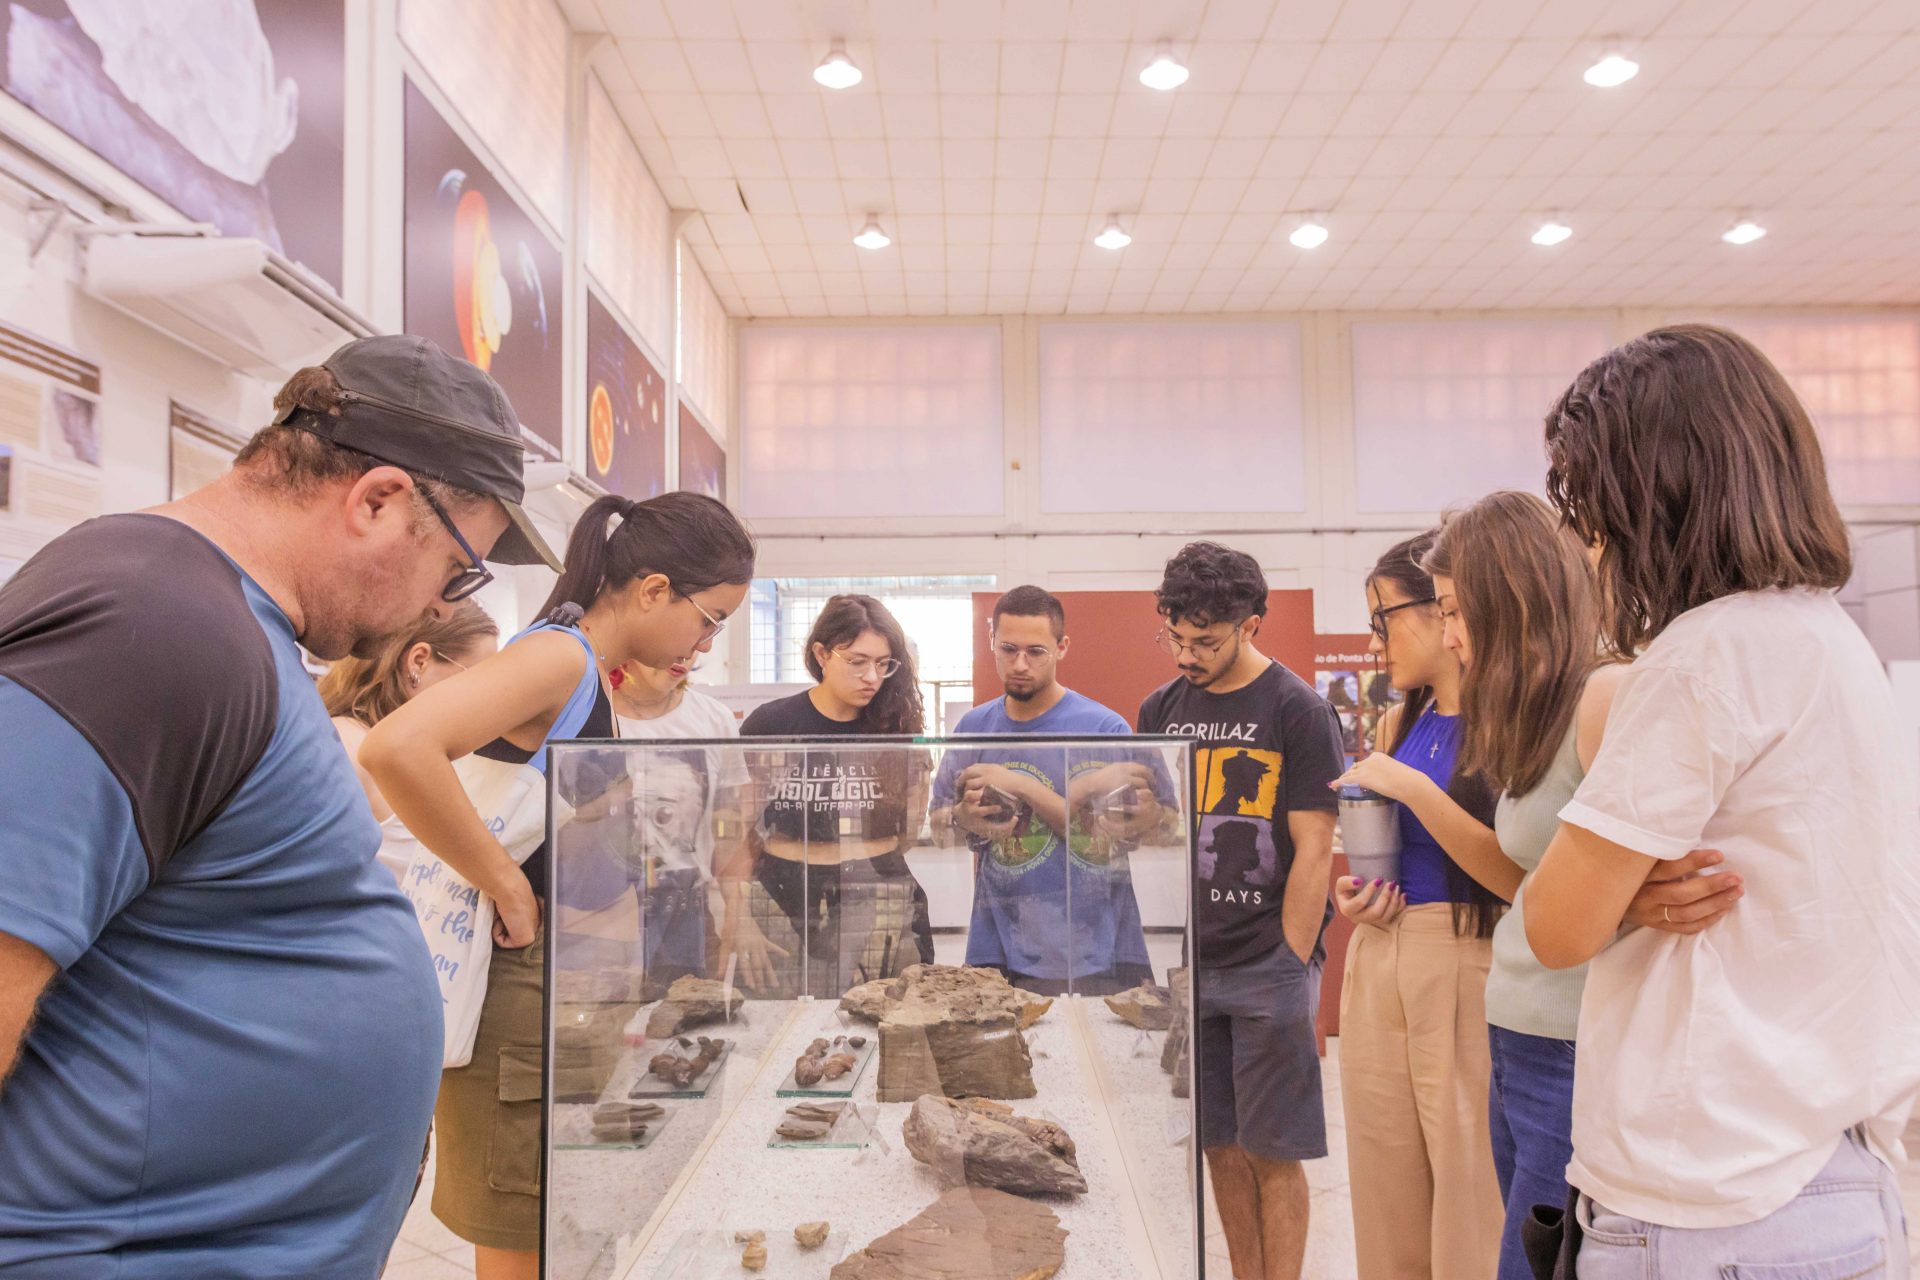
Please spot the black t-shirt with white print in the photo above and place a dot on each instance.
(1260, 752)
(827, 793)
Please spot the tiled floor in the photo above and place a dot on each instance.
(428, 1251)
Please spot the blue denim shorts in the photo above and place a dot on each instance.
(1847, 1224)
(1259, 1064)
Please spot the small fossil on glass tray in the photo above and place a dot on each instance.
(682, 1069)
(754, 1257)
(811, 1235)
(749, 1237)
(810, 1121)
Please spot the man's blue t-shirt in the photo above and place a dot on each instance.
(1046, 907)
(233, 1073)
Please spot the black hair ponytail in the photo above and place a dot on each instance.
(690, 538)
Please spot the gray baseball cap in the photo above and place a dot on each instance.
(408, 403)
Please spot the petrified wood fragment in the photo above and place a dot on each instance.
(969, 1233)
(810, 1121)
(1146, 1006)
(811, 1235)
(957, 1032)
(988, 1145)
(690, 1002)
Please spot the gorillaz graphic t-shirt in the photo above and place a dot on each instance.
(1259, 752)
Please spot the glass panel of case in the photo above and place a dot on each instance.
(866, 983)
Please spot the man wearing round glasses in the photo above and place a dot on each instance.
(185, 844)
(1050, 826)
(1266, 748)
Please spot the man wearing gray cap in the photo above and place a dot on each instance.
(217, 1011)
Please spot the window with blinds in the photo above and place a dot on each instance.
(871, 420)
(1447, 411)
(1171, 417)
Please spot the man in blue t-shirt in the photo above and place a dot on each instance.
(220, 1029)
(1050, 825)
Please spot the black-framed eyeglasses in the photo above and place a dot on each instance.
(468, 580)
(1377, 620)
(714, 625)
(1201, 647)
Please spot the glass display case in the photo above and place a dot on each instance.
(865, 1008)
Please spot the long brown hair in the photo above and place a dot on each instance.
(1522, 583)
(897, 707)
(1688, 458)
(371, 689)
(1476, 909)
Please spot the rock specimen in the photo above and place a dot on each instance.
(687, 1061)
(754, 1257)
(586, 1048)
(1147, 1006)
(811, 1235)
(810, 1121)
(826, 1060)
(956, 1031)
(988, 1145)
(871, 1001)
(1173, 1054)
(625, 1121)
(749, 1237)
(690, 1002)
(969, 1233)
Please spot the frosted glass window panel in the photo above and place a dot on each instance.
(502, 64)
(1447, 411)
(629, 245)
(1171, 417)
(704, 341)
(871, 420)
(1859, 377)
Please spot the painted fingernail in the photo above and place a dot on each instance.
(1376, 884)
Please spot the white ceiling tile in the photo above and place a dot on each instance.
(1090, 116)
(914, 159)
(967, 159)
(1093, 67)
(1313, 115)
(1066, 196)
(1118, 193)
(861, 159)
(1137, 113)
(1021, 158)
(967, 197)
(1254, 115)
(817, 195)
(854, 115)
(1013, 236)
(808, 157)
(1368, 115)
(680, 115)
(797, 115)
(968, 115)
(967, 20)
(755, 158)
(1026, 115)
(720, 66)
(969, 68)
(1128, 157)
(911, 116)
(1218, 66)
(930, 259)
(1465, 64)
(1197, 115)
(1236, 20)
(781, 66)
(905, 67)
(1217, 195)
(1340, 68)
(1068, 160)
(780, 227)
(700, 158)
(1030, 68)
(701, 20)
(791, 261)
(1436, 19)
(1278, 66)
(1234, 157)
(1018, 195)
(739, 115)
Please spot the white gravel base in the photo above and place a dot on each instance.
(743, 1183)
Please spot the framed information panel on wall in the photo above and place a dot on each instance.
(199, 449)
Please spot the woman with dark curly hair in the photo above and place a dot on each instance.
(837, 822)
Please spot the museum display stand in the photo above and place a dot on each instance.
(761, 1058)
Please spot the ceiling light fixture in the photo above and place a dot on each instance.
(871, 236)
(1165, 71)
(1111, 236)
(836, 70)
(1745, 231)
(1310, 234)
(1611, 71)
(1552, 232)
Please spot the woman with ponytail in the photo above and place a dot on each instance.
(646, 582)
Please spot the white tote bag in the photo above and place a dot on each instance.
(456, 917)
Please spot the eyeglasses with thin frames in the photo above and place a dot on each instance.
(1377, 620)
(468, 580)
(1203, 647)
(1033, 652)
(714, 625)
(884, 667)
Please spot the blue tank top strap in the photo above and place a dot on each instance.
(579, 705)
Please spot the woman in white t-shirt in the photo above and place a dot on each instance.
(686, 806)
(361, 692)
(1740, 1091)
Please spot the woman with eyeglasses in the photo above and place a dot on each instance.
(361, 692)
(836, 823)
(649, 582)
(1414, 1063)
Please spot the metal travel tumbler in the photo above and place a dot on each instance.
(1370, 833)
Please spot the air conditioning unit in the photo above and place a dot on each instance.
(234, 299)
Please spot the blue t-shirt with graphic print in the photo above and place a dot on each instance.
(233, 1072)
(1044, 906)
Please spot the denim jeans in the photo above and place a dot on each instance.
(1530, 1113)
(1847, 1224)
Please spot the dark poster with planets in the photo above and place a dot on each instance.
(231, 111)
(482, 279)
(703, 463)
(626, 410)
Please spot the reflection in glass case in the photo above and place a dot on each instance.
(861, 1008)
